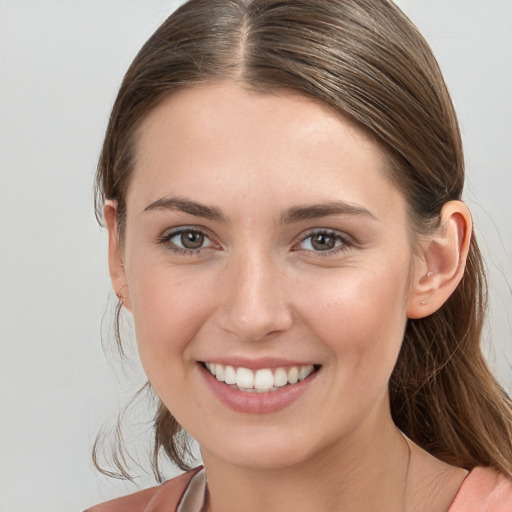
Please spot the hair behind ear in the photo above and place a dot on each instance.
(442, 394)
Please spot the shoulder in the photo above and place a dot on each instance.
(484, 490)
(165, 496)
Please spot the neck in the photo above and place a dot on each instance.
(365, 472)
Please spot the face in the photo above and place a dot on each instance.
(264, 244)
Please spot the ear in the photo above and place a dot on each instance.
(441, 266)
(115, 255)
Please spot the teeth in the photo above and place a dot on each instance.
(280, 377)
(219, 372)
(293, 375)
(259, 381)
(244, 378)
(229, 375)
(264, 379)
(303, 373)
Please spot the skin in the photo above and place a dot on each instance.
(258, 289)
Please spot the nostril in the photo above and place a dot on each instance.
(256, 325)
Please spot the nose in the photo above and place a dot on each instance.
(255, 304)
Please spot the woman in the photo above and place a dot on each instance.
(281, 183)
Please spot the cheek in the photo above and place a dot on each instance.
(168, 309)
(360, 320)
(360, 316)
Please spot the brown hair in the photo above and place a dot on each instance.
(367, 60)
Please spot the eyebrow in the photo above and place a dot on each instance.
(187, 206)
(316, 211)
(289, 216)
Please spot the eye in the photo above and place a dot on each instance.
(186, 240)
(324, 241)
(189, 239)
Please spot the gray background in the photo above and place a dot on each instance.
(60, 65)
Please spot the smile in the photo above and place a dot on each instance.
(259, 381)
(264, 388)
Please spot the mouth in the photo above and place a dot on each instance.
(263, 380)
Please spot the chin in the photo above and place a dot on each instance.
(262, 449)
(263, 458)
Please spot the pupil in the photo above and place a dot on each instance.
(192, 240)
(323, 242)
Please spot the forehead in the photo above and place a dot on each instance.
(216, 138)
(212, 110)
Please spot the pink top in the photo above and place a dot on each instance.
(483, 490)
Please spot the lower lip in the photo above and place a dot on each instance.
(256, 403)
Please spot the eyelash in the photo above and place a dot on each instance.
(345, 244)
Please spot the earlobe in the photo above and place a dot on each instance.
(115, 256)
(444, 259)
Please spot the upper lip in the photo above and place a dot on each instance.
(257, 363)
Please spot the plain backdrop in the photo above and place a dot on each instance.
(61, 62)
